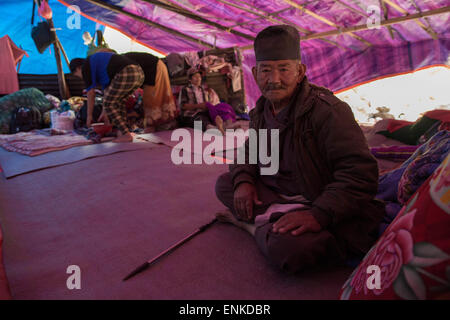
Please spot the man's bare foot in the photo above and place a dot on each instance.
(219, 124)
(227, 216)
(128, 137)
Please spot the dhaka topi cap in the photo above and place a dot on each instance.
(280, 42)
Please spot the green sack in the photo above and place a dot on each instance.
(29, 97)
(101, 44)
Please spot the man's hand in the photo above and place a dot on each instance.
(297, 222)
(244, 198)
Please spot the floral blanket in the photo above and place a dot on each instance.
(411, 260)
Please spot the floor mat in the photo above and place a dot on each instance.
(14, 164)
(108, 215)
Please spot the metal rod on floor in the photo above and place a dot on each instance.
(147, 264)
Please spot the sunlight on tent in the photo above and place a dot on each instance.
(407, 96)
(121, 43)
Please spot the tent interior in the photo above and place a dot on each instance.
(107, 207)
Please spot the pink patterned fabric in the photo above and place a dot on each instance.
(33, 144)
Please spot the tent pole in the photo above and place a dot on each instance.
(276, 13)
(63, 90)
(324, 20)
(428, 29)
(193, 16)
(342, 3)
(382, 23)
(63, 52)
(272, 17)
(385, 13)
(362, 27)
(426, 19)
(149, 22)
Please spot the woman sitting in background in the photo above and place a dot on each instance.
(198, 103)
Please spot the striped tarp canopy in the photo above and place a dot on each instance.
(343, 42)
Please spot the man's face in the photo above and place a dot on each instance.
(78, 73)
(278, 79)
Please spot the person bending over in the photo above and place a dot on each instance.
(159, 104)
(119, 77)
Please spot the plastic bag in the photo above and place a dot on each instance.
(45, 11)
(63, 120)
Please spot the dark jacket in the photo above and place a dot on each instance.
(337, 171)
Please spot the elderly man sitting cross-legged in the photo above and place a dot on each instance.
(319, 208)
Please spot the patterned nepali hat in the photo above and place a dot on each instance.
(280, 42)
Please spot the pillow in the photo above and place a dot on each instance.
(413, 254)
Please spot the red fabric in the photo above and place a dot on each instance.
(413, 253)
(444, 126)
(394, 125)
(10, 55)
(439, 114)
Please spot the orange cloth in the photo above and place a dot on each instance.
(11, 55)
(159, 104)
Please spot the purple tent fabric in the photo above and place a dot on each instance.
(336, 62)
